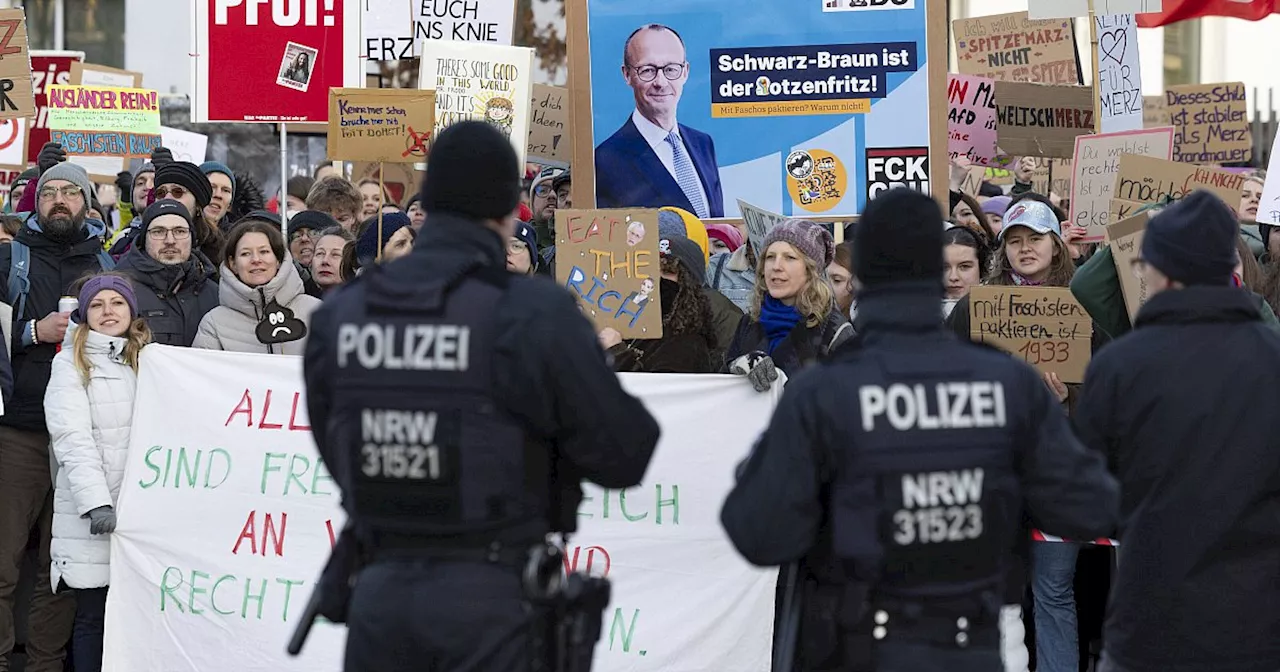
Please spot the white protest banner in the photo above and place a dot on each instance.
(1061, 9)
(759, 223)
(683, 599)
(1119, 84)
(226, 517)
(185, 145)
(485, 82)
(1097, 165)
(386, 29)
(471, 21)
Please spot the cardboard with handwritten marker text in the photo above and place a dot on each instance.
(971, 119)
(1119, 77)
(1096, 165)
(392, 125)
(1126, 245)
(1044, 326)
(1015, 48)
(1154, 112)
(17, 98)
(92, 74)
(1041, 119)
(609, 260)
(1210, 122)
(550, 140)
(1146, 179)
(1052, 175)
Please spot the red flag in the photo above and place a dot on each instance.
(1182, 10)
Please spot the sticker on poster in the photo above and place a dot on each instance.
(897, 167)
(816, 179)
(296, 67)
(865, 5)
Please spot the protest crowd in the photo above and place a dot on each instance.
(1171, 302)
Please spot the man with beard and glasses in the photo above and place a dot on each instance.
(56, 246)
(172, 280)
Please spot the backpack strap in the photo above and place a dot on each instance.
(715, 283)
(19, 280)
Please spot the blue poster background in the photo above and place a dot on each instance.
(751, 152)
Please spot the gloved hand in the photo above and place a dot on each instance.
(102, 520)
(758, 368)
(50, 155)
(124, 184)
(161, 156)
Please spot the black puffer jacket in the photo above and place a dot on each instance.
(172, 299)
(802, 347)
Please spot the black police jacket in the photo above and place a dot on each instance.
(549, 374)
(1180, 406)
(834, 433)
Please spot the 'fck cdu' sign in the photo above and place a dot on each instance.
(283, 13)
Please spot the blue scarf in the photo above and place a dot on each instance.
(778, 319)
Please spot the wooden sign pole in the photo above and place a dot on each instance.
(382, 191)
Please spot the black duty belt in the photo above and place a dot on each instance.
(494, 553)
(922, 622)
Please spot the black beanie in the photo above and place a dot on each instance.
(1193, 241)
(311, 219)
(472, 171)
(188, 175)
(165, 206)
(898, 239)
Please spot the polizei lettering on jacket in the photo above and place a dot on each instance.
(939, 506)
(969, 405)
(417, 347)
(400, 445)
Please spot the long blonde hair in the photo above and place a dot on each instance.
(815, 300)
(139, 335)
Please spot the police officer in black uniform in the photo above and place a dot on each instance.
(458, 406)
(898, 474)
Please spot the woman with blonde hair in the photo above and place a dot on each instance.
(89, 408)
(793, 319)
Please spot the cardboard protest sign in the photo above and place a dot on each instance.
(1057, 9)
(104, 121)
(13, 144)
(758, 222)
(609, 260)
(379, 124)
(185, 145)
(1045, 326)
(481, 21)
(1042, 119)
(17, 95)
(481, 81)
(1211, 123)
(47, 68)
(91, 74)
(1125, 237)
(971, 119)
(1155, 113)
(1052, 176)
(550, 142)
(1097, 164)
(1121, 209)
(1015, 48)
(1146, 179)
(1119, 84)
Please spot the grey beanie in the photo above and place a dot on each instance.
(71, 173)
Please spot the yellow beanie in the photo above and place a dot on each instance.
(695, 230)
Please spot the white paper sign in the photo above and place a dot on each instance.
(209, 573)
(1269, 204)
(472, 21)
(1119, 83)
(1060, 9)
(485, 82)
(759, 223)
(185, 145)
(13, 148)
(387, 29)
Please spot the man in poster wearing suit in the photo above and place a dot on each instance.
(653, 161)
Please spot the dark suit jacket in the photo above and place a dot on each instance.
(630, 175)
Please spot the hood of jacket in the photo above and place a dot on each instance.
(189, 275)
(250, 301)
(1198, 305)
(32, 235)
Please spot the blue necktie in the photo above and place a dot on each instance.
(686, 176)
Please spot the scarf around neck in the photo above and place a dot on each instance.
(1023, 282)
(778, 319)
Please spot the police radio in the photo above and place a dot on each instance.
(572, 604)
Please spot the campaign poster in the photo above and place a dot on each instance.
(784, 104)
(273, 60)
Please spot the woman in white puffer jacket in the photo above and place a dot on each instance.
(89, 407)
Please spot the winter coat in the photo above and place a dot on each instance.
(173, 299)
(1175, 405)
(726, 315)
(802, 347)
(732, 275)
(232, 325)
(89, 429)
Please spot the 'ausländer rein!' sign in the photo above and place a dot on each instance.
(104, 120)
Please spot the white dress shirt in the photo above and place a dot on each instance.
(657, 139)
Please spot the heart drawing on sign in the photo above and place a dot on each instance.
(1119, 43)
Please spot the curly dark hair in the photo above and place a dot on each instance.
(691, 310)
(249, 197)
